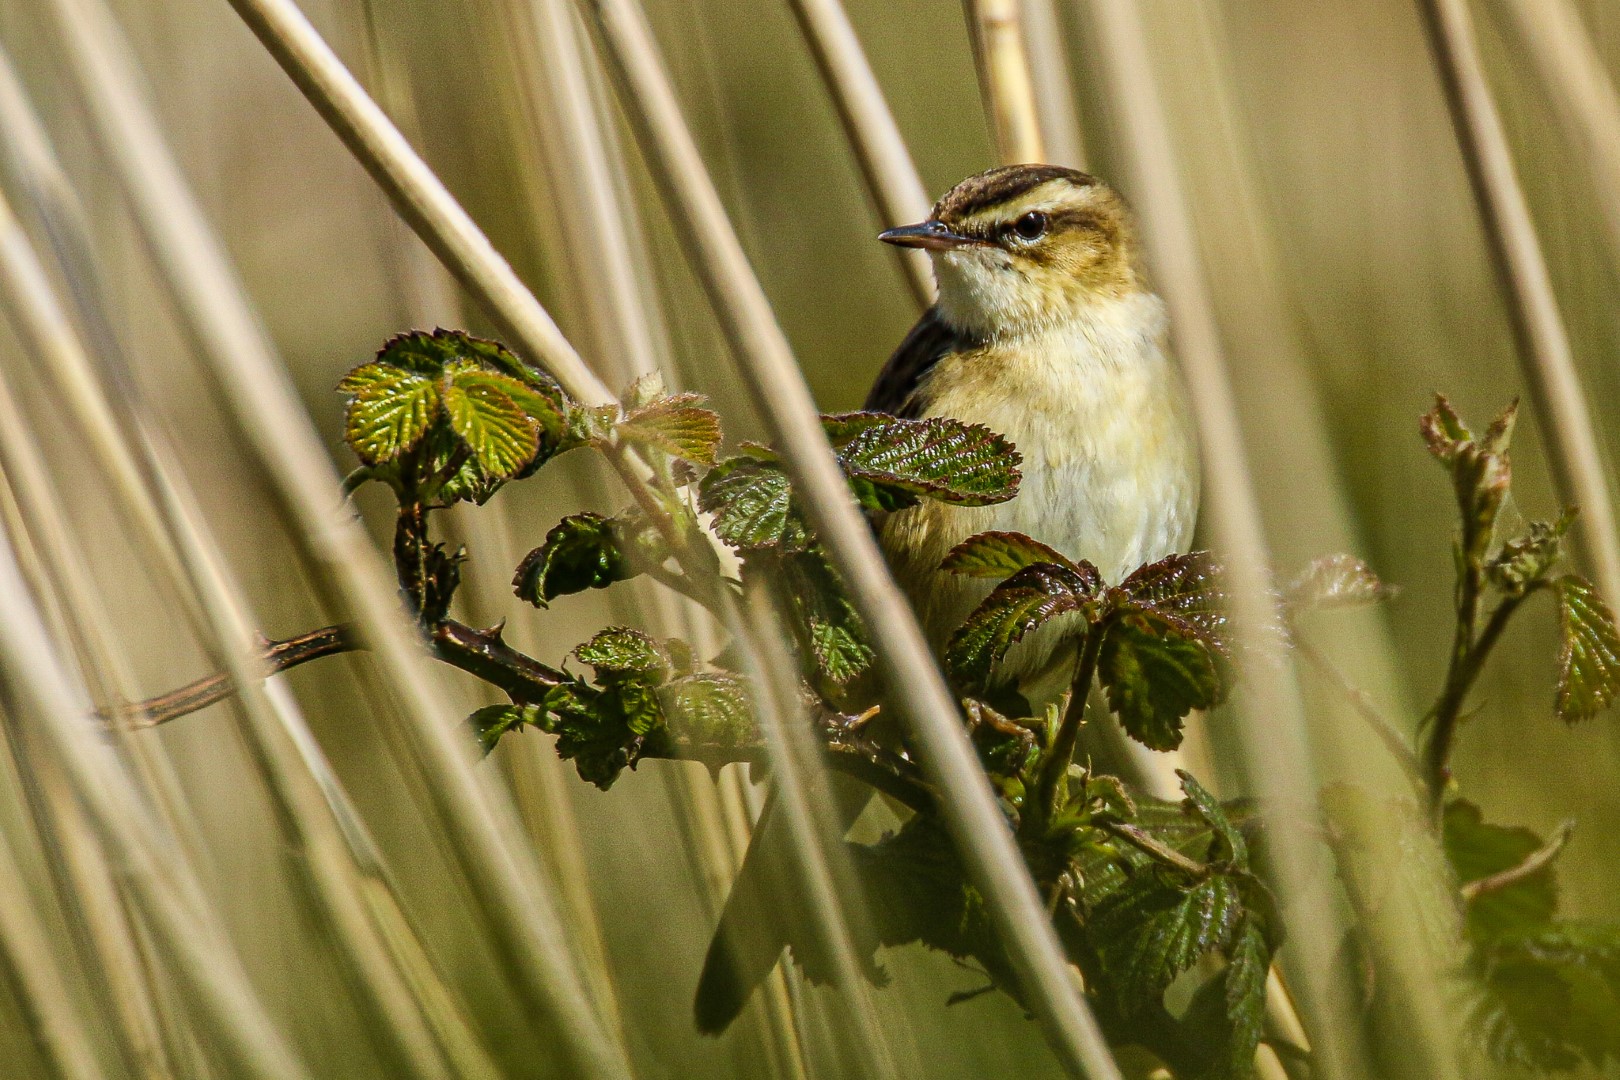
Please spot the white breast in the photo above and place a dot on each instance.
(1110, 472)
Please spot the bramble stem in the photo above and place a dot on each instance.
(1049, 785)
(1467, 661)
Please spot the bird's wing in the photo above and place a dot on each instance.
(895, 391)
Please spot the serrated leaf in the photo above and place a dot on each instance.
(502, 437)
(1155, 672)
(1230, 848)
(389, 416)
(1588, 653)
(1189, 588)
(1335, 581)
(831, 629)
(753, 507)
(891, 463)
(493, 721)
(709, 707)
(1150, 931)
(1552, 995)
(677, 426)
(582, 551)
(1248, 963)
(999, 555)
(1526, 561)
(1016, 606)
(1476, 849)
(619, 651)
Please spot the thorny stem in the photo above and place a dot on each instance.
(1049, 783)
(1467, 660)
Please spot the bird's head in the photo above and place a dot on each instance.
(1023, 246)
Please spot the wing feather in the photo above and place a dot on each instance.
(895, 391)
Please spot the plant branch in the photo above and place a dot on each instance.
(1055, 765)
(1467, 660)
(1532, 863)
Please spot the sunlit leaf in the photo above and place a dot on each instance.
(1155, 672)
(1018, 605)
(1335, 581)
(999, 555)
(709, 707)
(1589, 651)
(502, 437)
(677, 426)
(389, 415)
(1191, 589)
(832, 629)
(1229, 846)
(619, 651)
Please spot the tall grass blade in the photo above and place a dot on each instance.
(996, 28)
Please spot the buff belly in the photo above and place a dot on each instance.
(1109, 469)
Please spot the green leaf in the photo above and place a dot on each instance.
(709, 707)
(493, 721)
(1151, 930)
(1476, 850)
(1589, 651)
(582, 551)
(1525, 562)
(1016, 606)
(618, 652)
(390, 412)
(999, 555)
(1155, 672)
(1248, 963)
(753, 507)
(892, 463)
(1553, 995)
(502, 437)
(1335, 581)
(676, 426)
(831, 632)
(1227, 844)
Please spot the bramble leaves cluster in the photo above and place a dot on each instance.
(1143, 891)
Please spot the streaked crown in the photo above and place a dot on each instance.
(1021, 245)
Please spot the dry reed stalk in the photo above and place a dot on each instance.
(1278, 761)
(1047, 48)
(31, 968)
(310, 802)
(996, 30)
(160, 883)
(1545, 356)
(861, 1049)
(1576, 84)
(886, 166)
(504, 881)
(767, 366)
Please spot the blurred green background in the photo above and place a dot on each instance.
(1347, 263)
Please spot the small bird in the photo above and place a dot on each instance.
(1046, 331)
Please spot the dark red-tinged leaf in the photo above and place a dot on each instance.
(1335, 581)
(999, 555)
(1589, 653)
(891, 463)
(1018, 605)
(1190, 589)
(1481, 473)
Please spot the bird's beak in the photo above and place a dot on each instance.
(933, 235)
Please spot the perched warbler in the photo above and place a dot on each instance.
(1045, 330)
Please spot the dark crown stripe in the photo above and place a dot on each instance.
(1001, 185)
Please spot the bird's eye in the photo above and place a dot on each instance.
(1032, 226)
